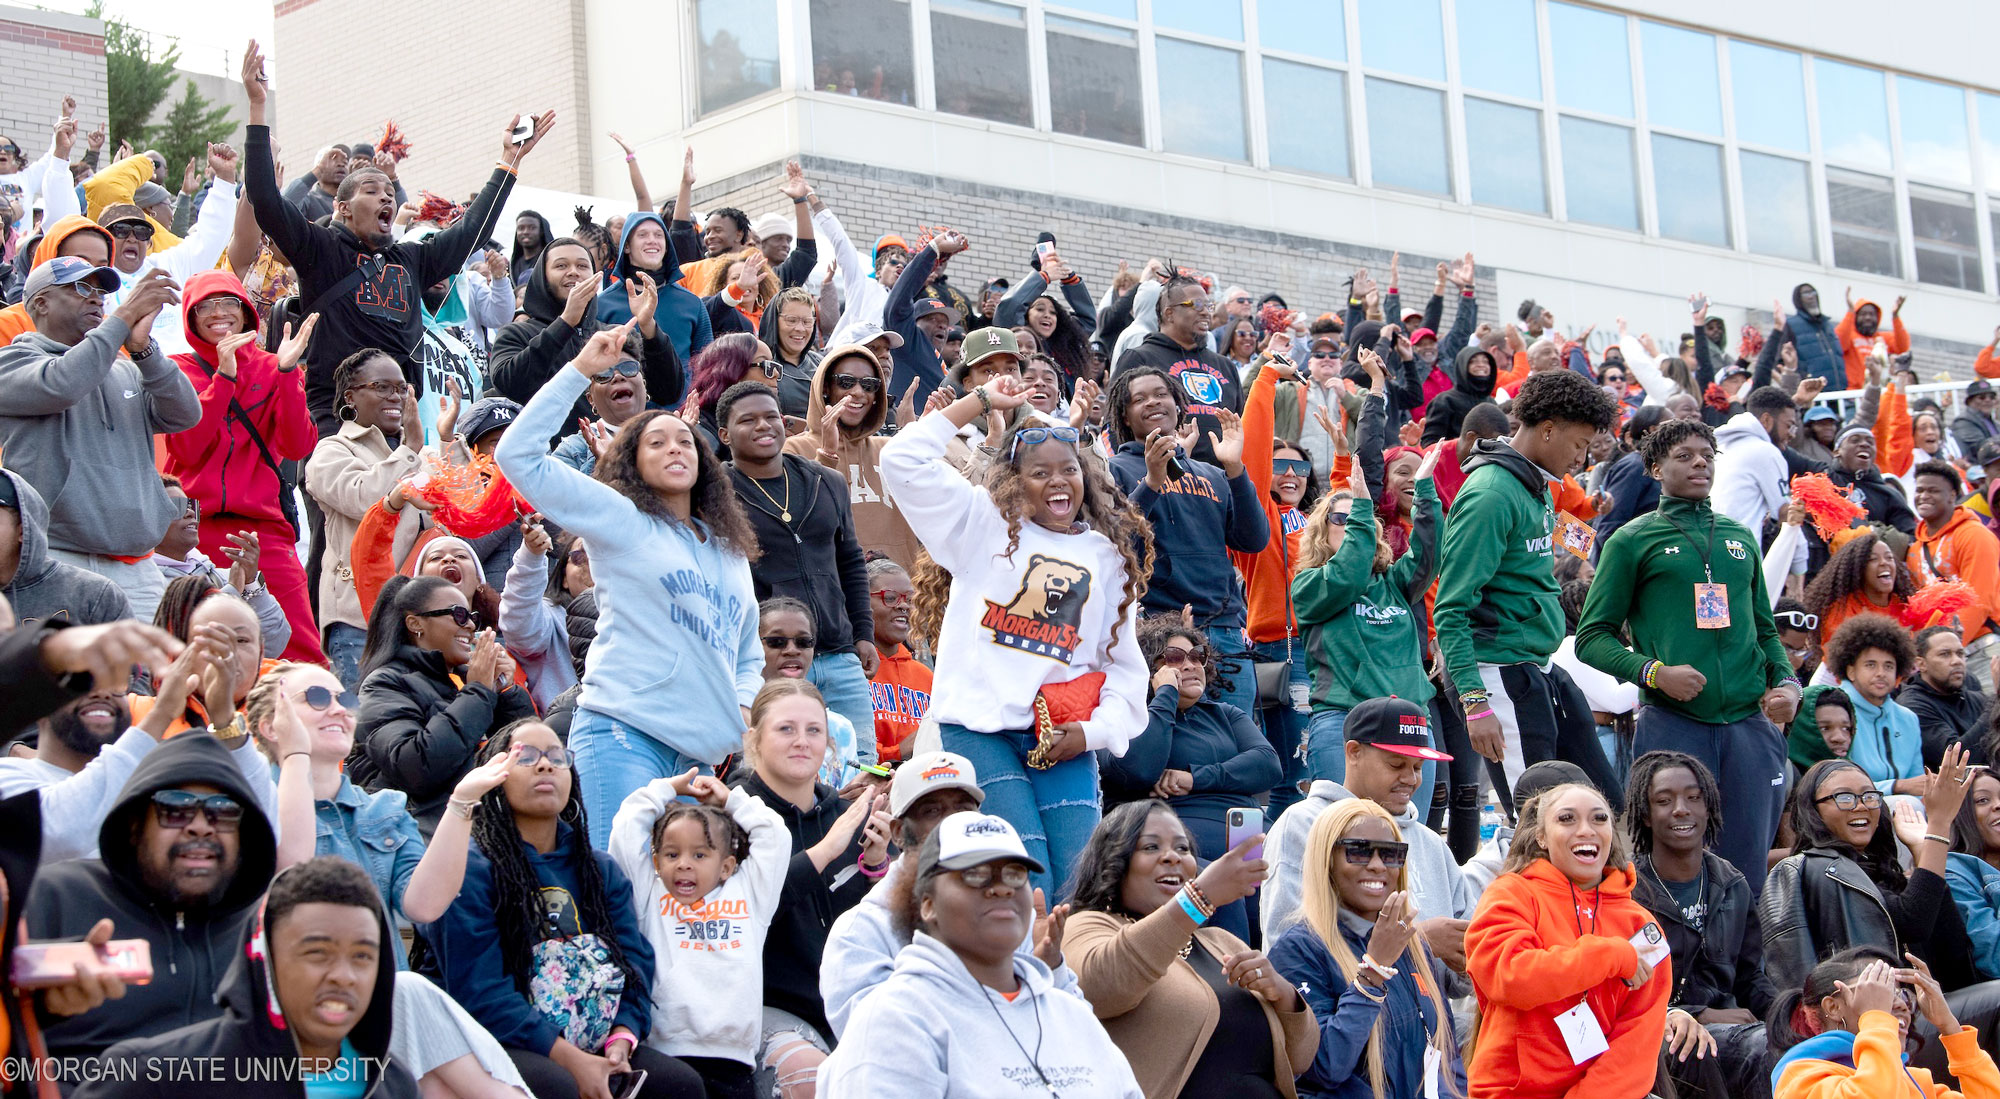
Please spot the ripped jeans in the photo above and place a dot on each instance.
(1054, 810)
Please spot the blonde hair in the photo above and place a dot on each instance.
(1321, 912)
(760, 708)
(1527, 845)
(1316, 540)
(261, 704)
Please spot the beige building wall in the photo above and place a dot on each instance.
(45, 55)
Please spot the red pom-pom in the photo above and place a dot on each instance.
(472, 499)
(438, 210)
(1274, 317)
(1751, 342)
(1937, 601)
(1829, 507)
(393, 142)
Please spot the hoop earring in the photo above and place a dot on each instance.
(346, 413)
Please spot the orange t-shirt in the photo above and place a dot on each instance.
(901, 691)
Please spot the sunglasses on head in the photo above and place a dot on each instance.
(319, 698)
(779, 641)
(1798, 620)
(1848, 801)
(1036, 436)
(1295, 467)
(892, 599)
(132, 230)
(625, 368)
(461, 615)
(849, 381)
(1173, 656)
(1362, 852)
(176, 809)
(771, 368)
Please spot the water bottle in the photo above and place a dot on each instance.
(1490, 819)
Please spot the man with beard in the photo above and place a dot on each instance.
(187, 851)
(1949, 709)
(1859, 330)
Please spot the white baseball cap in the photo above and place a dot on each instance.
(928, 773)
(965, 840)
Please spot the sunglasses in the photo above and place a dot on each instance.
(1293, 467)
(191, 506)
(1012, 875)
(88, 290)
(1336, 518)
(893, 599)
(1174, 657)
(1036, 436)
(132, 230)
(461, 615)
(1362, 852)
(770, 367)
(870, 386)
(176, 809)
(319, 698)
(779, 641)
(1848, 801)
(1798, 620)
(529, 755)
(625, 368)
(1197, 306)
(1326, 354)
(579, 556)
(10, 149)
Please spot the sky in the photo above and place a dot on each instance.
(211, 33)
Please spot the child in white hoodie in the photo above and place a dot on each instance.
(705, 882)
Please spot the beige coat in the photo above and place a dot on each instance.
(348, 473)
(878, 523)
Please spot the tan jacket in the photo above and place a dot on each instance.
(349, 472)
(878, 524)
(1157, 1009)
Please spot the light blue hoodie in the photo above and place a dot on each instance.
(1887, 742)
(677, 652)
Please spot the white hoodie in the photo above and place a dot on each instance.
(1752, 481)
(934, 1031)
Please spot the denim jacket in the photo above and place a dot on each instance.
(1976, 888)
(376, 832)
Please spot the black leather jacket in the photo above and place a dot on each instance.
(1820, 902)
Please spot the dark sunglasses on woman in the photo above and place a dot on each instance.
(1294, 467)
(319, 698)
(772, 370)
(461, 615)
(1362, 852)
(1174, 656)
(625, 367)
(777, 641)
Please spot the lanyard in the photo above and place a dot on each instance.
(1576, 910)
(1706, 552)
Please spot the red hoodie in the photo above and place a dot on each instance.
(217, 460)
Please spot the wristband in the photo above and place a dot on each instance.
(801, 201)
(461, 807)
(1487, 712)
(1187, 906)
(1200, 899)
(1472, 698)
(1373, 995)
(1651, 676)
(985, 402)
(1946, 840)
(871, 874)
(507, 168)
(630, 157)
(625, 1037)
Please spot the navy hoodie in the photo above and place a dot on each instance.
(918, 359)
(1196, 521)
(681, 314)
(1208, 382)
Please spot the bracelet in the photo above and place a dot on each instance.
(1472, 698)
(985, 402)
(872, 874)
(1200, 898)
(1487, 712)
(625, 1037)
(507, 168)
(630, 157)
(1946, 840)
(289, 755)
(1383, 971)
(1651, 676)
(461, 807)
(801, 200)
(1373, 995)
(1187, 906)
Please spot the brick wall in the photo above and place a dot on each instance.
(44, 56)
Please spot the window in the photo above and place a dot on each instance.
(1594, 65)
(1768, 89)
(1497, 49)
(1201, 99)
(1946, 233)
(1503, 145)
(1688, 186)
(1116, 9)
(1683, 89)
(1853, 114)
(1305, 108)
(1598, 176)
(980, 50)
(1312, 27)
(1777, 207)
(862, 47)
(1933, 123)
(1413, 154)
(739, 51)
(1214, 18)
(1094, 81)
(1862, 210)
(1989, 142)
(1404, 36)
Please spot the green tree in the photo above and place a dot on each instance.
(135, 80)
(189, 127)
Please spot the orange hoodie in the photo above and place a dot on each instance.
(1856, 346)
(1878, 1071)
(902, 693)
(1267, 577)
(1963, 550)
(14, 319)
(1529, 964)
(1895, 440)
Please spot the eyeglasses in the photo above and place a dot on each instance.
(893, 599)
(779, 641)
(1012, 875)
(461, 615)
(1294, 467)
(132, 230)
(1174, 657)
(1336, 518)
(770, 367)
(1036, 436)
(388, 391)
(579, 556)
(1848, 801)
(849, 381)
(1362, 852)
(530, 755)
(319, 698)
(221, 303)
(176, 809)
(623, 369)
(88, 290)
(1798, 620)
(191, 506)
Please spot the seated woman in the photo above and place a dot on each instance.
(1972, 869)
(418, 728)
(956, 1017)
(1846, 1030)
(1374, 989)
(1195, 1010)
(542, 946)
(192, 606)
(1553, 936)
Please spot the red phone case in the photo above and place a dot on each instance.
(41, 965)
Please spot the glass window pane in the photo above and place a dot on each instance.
(1598, 178)
(1693, 200)
(1503, 145)
(1993, 221)
(1933, 124)
(1094, 81)
(1306, 110)
(1853, 114)
(1683, 89)
(1216, 18)
(1946, 233)
(1314, 27)
(1595, 71)
(1768, 90)
(1777, 207)
(1405, 36)
(1410, 149)
(1989, 139)
(1201, 107)
(1497, 48)
(1862, 210)
(1117, 9)
(862, 47)
(981, 52)
(739, 51)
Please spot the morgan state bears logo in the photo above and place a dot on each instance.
(1043, 617)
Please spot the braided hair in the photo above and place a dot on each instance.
(1639, 797)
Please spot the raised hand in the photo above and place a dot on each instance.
(147, 295)
(225, 351)
(1394, 927)
(1429, 464)
(244, 550)
(622, 143)
(1461, 273)
(485, 662)
(644, 296)
(487, 776)
(1371, 364)
(1159, 449)
(1698, 305)
(107, 653)
(1048, 933)
(1235, 874)
(950, 243)
(1948, 785)
(581, 301)
(449, 403)
(794, 185)
(534, 536)
(1080, 402)
(1007, 393)
(256, 86)
(191, 176)
(1395, 270)
(1228, 447)
(512, 154)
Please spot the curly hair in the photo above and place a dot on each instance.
(1571, 597)
(768, 286)
(1098, 878)
(1841, 576)
(1936, 468)
(1121, 395)
(1657, 444)
(1810, 832)
(932, 584)
(1869, 631)
(1316, 540)
(712, 500)
(1565, 397)
(1068, 344)
(1528, 845)
(325, 879)
(1639, 797)
(718, 829)
(720, 365)
(725, 405)
(768, 328)
(731, 213)
(1155, 630)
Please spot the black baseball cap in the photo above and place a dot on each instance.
(1393, 725)
(1547, 775)
(1989, 452)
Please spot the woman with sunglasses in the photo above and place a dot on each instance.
(418, 729)
(785, 626)
(843, 425)
(1195, 1010)
(1378, 1031)
(736, 357)
(787, 328)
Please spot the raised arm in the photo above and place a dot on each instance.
(281, 221)
(444, 254)
(641, 197)
(574, 501)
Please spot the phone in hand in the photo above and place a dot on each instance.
(1044, 248)
(44, 965)
(524, 129)
(1242, 824)
(1700, 302)
(628, 1085)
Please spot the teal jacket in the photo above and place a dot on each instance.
(1363, 633)
(1496, 600)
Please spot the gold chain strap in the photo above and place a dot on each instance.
(1045, 734)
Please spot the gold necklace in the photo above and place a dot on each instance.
(786, 507)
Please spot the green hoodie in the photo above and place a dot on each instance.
(1645, 581)
(1346, 609)
(1496, 600)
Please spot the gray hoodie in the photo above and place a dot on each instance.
(933, 1030)
(44, 589)
(78, 423)
(1439, 886)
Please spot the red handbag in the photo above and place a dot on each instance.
(1059, 704)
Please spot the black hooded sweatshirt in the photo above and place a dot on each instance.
(1208, 382)
(1403, 382)
(1444, 418)
(519, 261)
(192, 946)
(252, 1041)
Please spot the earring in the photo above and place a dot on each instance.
(346, 413)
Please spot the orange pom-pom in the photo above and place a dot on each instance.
(393, 142)
(438, 210)
(1936, 602)
(1829, 507)
(472, 499)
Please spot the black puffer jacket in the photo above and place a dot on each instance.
(580, 622)
(1820, 902)
(1444, 417)
(418, 732)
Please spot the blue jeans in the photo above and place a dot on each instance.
(1325, 755)
(1232, 663)
(612, 759)
(1055, 810)
(1285, 726)
(845, 688)
(343, 650)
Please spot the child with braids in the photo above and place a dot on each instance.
(1048, 563)
(542, 945)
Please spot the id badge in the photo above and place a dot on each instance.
(1711, 607)
(1433, 1063)
(1581, 1032)
(1574, 535)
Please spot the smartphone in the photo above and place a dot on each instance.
(1044, 248)
(524, 129)
(1242, 824)
(42, 965)
(628, 1085)
(1701, 301)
